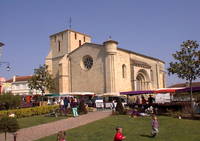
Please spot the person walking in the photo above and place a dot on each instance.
(113, 106)
(151, 100)
(154, 125)
(138, 100)
(74, 105)
(143, 100)
(118, 135)
(61, 106)
(66, 102)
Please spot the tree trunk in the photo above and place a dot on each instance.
(191, 99)
(5, 136)
(42, 102)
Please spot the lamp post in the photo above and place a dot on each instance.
(1, 44)
(6, 63)
(15, 136)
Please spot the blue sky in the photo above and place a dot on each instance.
(155, 28)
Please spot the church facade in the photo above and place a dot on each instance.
(77, 65)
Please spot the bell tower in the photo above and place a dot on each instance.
(61, 44)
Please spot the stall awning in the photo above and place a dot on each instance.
(109, 94)
(162, 90)
(81, 93)
(137, 92)
(52, 95)
(167, 90)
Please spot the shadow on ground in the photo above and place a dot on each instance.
(147, 136)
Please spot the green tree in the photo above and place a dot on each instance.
(42, 80)
(9, 101)
(8, 124)
(187, 64)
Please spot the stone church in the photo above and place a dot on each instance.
(77, 65)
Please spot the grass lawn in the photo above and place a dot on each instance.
(135, 129)
(37, 120)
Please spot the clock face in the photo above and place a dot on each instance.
(87, 62)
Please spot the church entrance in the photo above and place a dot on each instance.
(142, 81)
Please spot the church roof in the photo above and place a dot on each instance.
(129, 51)
(99, 45)
(71, 31)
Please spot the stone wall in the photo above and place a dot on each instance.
(92, 80)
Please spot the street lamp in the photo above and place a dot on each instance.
(1, 44)
(1, 63)
(7, 65)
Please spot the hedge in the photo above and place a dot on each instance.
(26, 112)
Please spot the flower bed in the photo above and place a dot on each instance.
(26, 112)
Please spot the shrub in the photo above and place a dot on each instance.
(8, 124)
(9, 101)
(26, 112)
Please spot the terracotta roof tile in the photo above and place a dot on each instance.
(19, 78)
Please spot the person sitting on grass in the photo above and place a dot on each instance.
(135, 113)
(118, 135)
(154, 125)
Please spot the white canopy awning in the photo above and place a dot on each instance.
(109, 94)
(80, 93)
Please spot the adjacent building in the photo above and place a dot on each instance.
(18, 85)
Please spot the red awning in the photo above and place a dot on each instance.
(167, 90)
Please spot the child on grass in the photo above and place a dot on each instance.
(154, 125)
(61, 136)
(118, 135)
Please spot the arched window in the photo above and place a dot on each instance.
(123, 71)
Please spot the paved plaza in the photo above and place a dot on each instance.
(37, 132)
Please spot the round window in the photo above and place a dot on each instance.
(87, 62)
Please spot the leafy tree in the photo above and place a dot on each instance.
(187, 64)
(9, 101)
(8, 124)
(41, 80)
